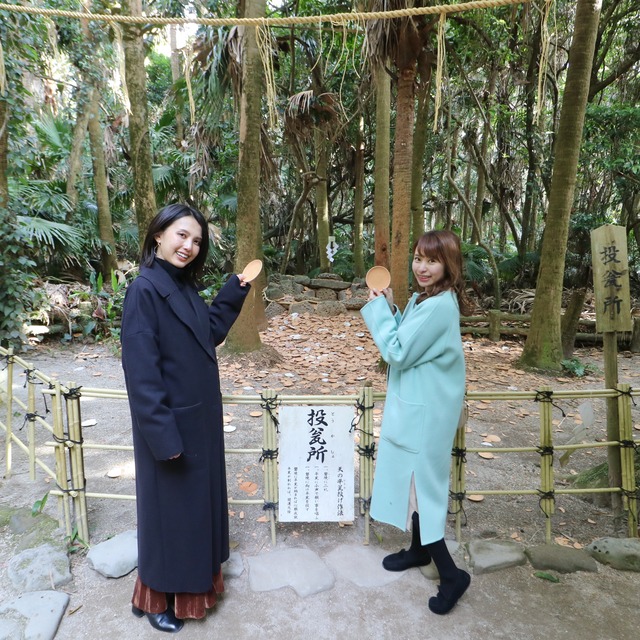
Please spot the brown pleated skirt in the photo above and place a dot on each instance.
(185, 605)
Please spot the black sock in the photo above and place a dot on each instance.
(443, 561)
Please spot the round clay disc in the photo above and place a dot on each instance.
(378, 278)
(252, 270)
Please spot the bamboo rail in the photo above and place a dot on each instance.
(69, 445)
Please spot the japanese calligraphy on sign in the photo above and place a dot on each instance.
(611, 278)
(316, 464)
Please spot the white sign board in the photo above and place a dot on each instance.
(315, 464)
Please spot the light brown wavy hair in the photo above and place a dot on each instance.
(444, 246)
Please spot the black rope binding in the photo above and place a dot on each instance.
(360, 409)
(366, 503)
(546, 396)
(71, 490)
(269, 506)
(30, 378)
(461, 453)
(29, 417)
(367, 452)
(545, 451)
(64, 440)
(630, 444)
(73, 393)
(270, 405)
(460, 496)
(8, 360)
(269, 454)
(546, 495)
(628, 393)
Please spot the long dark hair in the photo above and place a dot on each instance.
(164, 218)
(444, 246)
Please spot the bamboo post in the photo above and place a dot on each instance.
(627, 459)
(366, 457)
(8, 442)
(546, 461)
(77, 462)
(61, 459)
(459, 481)
(613, 433)
(31, 426)
(270, 439)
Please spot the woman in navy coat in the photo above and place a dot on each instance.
(171, 372)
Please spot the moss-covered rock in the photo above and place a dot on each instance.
(598, 478)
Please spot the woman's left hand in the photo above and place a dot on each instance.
(243, 282)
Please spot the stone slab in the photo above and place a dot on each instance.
(361, 565)
(32, 616)
(486, 556)
(300, 569)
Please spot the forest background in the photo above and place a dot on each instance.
(516, 125)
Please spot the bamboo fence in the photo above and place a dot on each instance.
(69, 445)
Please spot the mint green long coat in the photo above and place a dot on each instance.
(425, 395)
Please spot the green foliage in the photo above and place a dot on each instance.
(577, 369)
(17, 297)
(75, 544)
(158, 78)
(39, 505)
(109, 305)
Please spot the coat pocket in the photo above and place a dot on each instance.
(190, 423)
(403, 423)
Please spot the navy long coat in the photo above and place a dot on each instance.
(168, 355)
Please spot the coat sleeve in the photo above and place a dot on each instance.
(226, 307)
(418, 337)
(141, 361)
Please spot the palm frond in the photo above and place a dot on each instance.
(52, 235)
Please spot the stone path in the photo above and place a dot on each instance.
(36, 613)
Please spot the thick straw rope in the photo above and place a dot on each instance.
(267, 22)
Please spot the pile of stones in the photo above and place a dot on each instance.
(325, 295)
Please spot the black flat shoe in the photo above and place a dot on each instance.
(404, 559)
(165, 621)
(449, 594)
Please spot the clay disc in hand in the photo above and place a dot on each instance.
(252, 270)
(378, 278)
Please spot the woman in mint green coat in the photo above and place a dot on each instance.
(425, 395)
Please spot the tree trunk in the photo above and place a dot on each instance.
(77, 146)
(322, 196)
(244, 335)
(570, 320)
(481, 185)
(402, 161)
(543, 348)
(358, 204)
(108, 258)
(175, 76)
(4, 150)
(532, 133)
(419, 144)
(139, 141)
(381, 169)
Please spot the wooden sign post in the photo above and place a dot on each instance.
(613, 314)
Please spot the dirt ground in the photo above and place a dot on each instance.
(336, 356)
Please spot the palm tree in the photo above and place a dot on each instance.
(402, 42)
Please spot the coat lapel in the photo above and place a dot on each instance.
(194, 317)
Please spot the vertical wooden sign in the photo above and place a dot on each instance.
(611, 279)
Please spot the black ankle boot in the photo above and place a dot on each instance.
(165, 621)
(416, 556)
